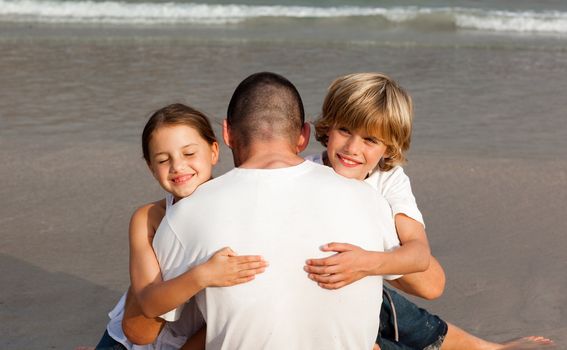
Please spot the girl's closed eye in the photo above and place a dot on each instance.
(183, 158)
(345, 131)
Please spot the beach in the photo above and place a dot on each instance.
(488, 161)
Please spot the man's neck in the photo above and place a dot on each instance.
(267, 155)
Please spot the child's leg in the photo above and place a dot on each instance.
(459, 339)
(416, 328)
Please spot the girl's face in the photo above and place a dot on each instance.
(353, 153)
(180, 159)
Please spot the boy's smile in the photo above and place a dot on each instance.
(354, 154)
(348, 162)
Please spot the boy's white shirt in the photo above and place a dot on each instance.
(394, 185)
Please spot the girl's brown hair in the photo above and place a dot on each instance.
(177, 114)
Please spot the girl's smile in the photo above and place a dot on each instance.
(180, 159)
(180, 180)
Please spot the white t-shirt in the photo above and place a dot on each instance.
(285, 215)
(394, 185)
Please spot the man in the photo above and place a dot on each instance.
(284, 208)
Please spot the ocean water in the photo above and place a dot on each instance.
(488, 78)
(78, 80)
(502, 16)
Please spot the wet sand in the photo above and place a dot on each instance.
(491, 187)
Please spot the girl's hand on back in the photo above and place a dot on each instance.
(345, 267)
(225, 268)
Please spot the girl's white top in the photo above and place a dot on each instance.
(394, 185)
(173, 334)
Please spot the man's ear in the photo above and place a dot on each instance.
(226, 133)
(304, 137)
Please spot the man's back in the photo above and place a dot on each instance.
(284, 215)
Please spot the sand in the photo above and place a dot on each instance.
(488, 166)
(497, 227)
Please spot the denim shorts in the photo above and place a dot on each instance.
(416, 328)
(108, 343)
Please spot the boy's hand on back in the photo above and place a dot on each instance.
(341, 269)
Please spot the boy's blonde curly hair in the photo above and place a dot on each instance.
(372, 102)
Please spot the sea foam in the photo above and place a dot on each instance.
(171, 12)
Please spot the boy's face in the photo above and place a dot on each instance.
(354, 153)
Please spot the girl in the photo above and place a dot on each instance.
(366, 127)
(180, 149)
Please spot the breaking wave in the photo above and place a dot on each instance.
(117, 12)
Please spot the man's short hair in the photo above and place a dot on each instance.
(265, 106)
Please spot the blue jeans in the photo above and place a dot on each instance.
(417, 328)
(108, 343)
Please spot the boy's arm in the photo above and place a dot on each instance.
(414, 253)
(352, 263)
(428, 284)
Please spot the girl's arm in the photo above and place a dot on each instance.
(155, 296)
(137, 326)
(352, 263)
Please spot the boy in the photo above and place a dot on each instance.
(366, 125)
